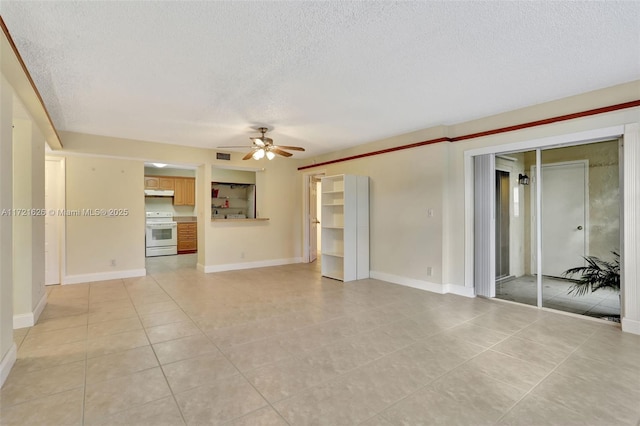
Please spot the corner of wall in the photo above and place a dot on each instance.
(7, 363)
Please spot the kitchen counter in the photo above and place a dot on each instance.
(185, 219)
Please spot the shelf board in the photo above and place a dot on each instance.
(227, 208)
(333, 254)
(333, 227)
(333, 192)
(258, 219)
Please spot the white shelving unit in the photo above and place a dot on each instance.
(345, 227)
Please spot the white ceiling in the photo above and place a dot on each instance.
(323, 75)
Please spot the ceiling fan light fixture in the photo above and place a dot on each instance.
(270, 155)
(259, 142)
(258, 154)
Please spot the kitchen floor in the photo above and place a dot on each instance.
(281, 345)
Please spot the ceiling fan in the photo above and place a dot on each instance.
(263, 147)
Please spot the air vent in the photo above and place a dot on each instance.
(223, 156)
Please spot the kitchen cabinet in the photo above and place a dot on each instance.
(345, 227)
(185, 191)
(187, 237)
(158, 182)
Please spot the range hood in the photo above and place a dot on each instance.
(158, 192)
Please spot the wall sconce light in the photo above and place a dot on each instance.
(523, 179)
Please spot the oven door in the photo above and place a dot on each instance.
(162, 234)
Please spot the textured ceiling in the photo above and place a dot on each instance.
(324, 75)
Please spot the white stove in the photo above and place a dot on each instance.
(161, 234)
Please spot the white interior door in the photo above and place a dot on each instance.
(313, 219)
(53, 177)
(564, 216)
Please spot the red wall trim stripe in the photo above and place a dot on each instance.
(602, 110)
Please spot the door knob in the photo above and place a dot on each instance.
(580, 228)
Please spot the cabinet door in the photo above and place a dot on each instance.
(151, 183)
(166, 182)
(178, 195)
(189, 192)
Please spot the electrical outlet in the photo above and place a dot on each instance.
(430, 212)
(113, 262)
(429, 271)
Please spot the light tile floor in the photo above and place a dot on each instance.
(604, 304)
(281, 345)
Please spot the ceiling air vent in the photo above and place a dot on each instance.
(223, 156)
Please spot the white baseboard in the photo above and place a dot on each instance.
(408, 282)
(7, 363)
(200, 267)
(249, 265)
(424, 285)
(39, 308)
(103, 276)
(630, 326)
(30, 318)
(460, 290)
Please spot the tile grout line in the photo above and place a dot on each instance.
(546, 375)
(154, 351)
(230, 362)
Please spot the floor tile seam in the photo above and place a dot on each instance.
(86, 364)
(226, 422)
(430, 383)
(534, 387)
(634, 391)
(338, 376)
(508, 334)
(39, 333)
(120, 376)
(161, 370)
(241, 373)
(17, 368)
(30, 400)
(117, 319)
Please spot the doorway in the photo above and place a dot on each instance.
(312, 216)
(558, 218)
(54, 219)
(503, 219)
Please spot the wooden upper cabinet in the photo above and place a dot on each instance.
(178, 195)
(151, 182)
(190, 192)
(185, 192)
(157, 182)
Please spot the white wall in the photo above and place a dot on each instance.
(235, 245)
(406, 183)
(28, 229)
(7, 347)
(220, 245)
(92, 242)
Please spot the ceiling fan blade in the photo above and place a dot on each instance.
(249, 155)
(280, 152)
(291, 148)
(258, 142)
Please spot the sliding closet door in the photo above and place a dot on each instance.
(484, 226)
